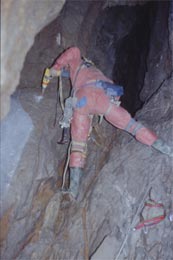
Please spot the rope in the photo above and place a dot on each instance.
(85, 235)
(66, 167)
(61, 99)
(56, 111)
(133, 221)
(100, 119)
(61, 93)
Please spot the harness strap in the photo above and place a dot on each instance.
(130, 124)
(100, 119)
(109, 109)
(61, 93)
(89, 83)
(133, 127)
(81, 66)
(79, 147)
(77, 73)
(137, 128)
(66, 167)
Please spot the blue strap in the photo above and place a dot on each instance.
(81, 102)
(136, 129)
(110, 89)
(65, 73)
(130, 124)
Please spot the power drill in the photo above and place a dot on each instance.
(46, 79)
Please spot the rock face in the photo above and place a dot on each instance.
(21, 21)
(37, 220)
(15, 131)
(155, 62)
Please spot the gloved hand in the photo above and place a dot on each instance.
(54, 72)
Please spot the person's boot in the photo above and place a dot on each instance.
(75, 176)
(162, 147)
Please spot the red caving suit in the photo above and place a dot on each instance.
(92, 100)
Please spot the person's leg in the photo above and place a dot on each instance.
(80, 127)
(120, 118)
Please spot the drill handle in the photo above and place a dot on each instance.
(46, 79)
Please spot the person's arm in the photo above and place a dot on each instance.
(66, 58)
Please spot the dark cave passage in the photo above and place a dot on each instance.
(122, 34)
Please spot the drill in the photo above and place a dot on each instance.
(46, 79)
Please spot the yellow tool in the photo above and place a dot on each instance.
(47, 77)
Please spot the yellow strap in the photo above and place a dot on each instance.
(78, 143)
(79, 147)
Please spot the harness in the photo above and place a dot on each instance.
(110, 89)
(70, 102)
(84, 64)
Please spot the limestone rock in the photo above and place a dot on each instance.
(21, 20)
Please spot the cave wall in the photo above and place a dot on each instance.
(61, 34)
(21, 21)
(159, 51)
(37, 222)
